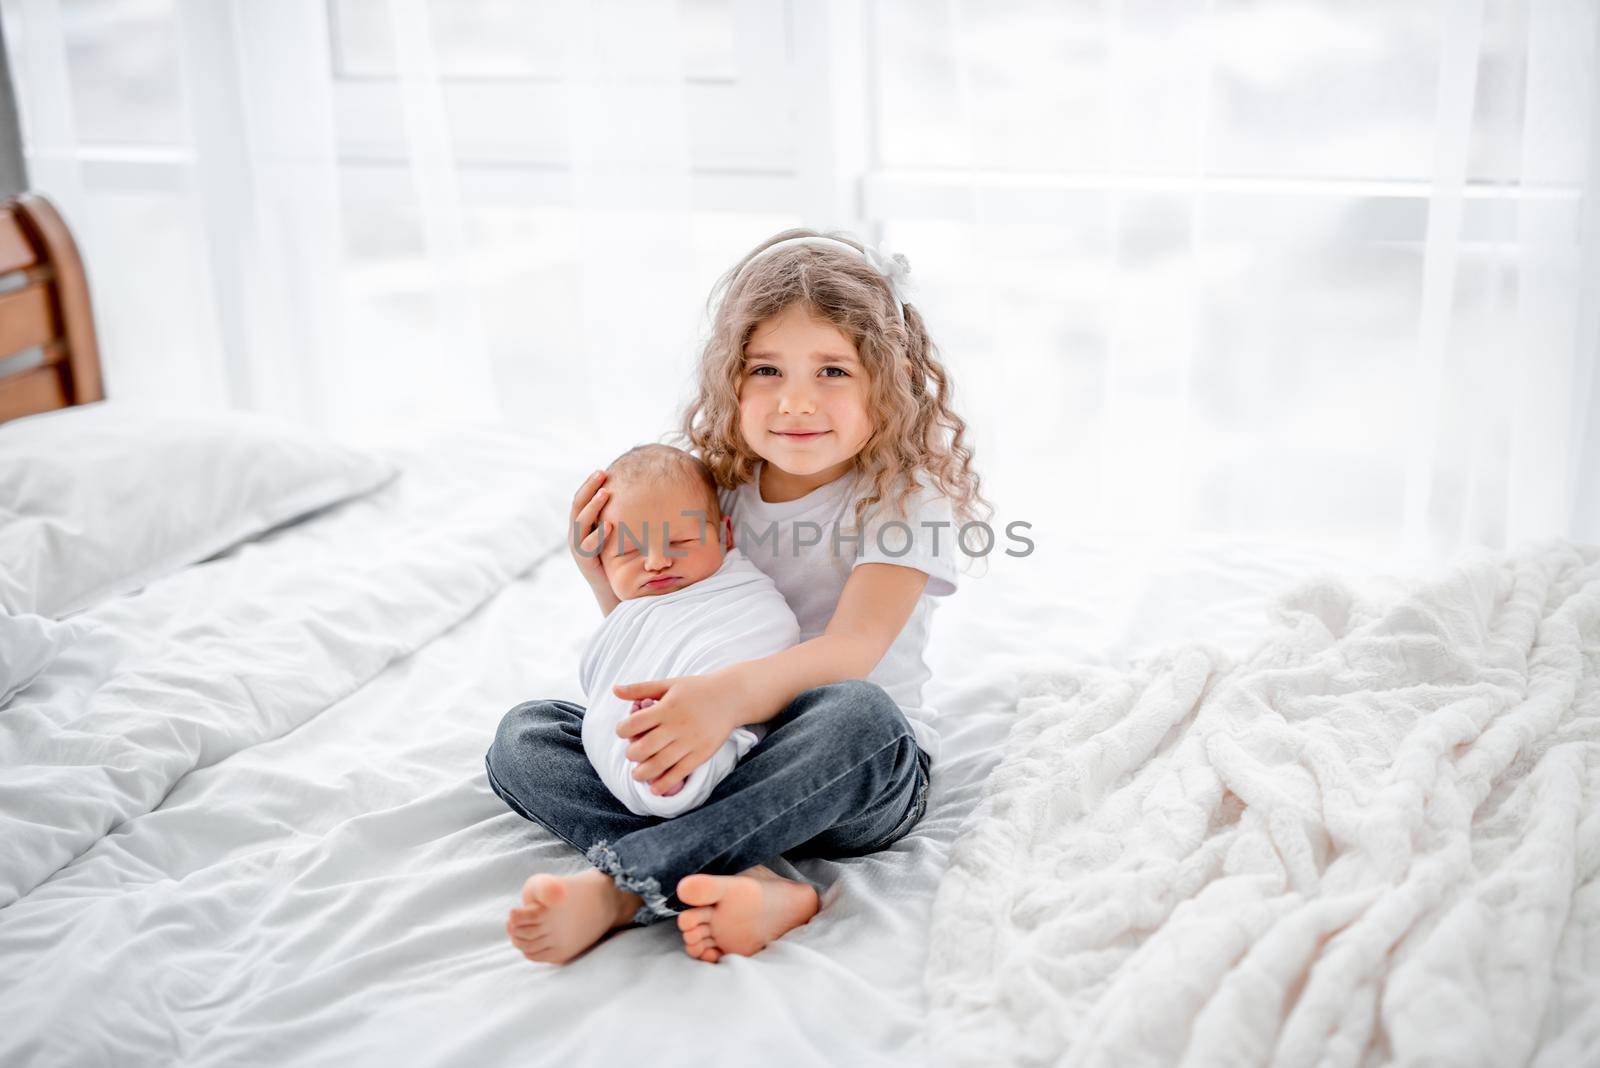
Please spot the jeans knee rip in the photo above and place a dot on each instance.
(602, 856)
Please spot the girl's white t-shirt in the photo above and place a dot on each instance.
(806, 547)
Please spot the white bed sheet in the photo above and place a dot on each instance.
(331, 887)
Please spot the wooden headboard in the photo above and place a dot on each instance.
(48, 355)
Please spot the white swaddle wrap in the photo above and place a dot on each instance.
(733, 615)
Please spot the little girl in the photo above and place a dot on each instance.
(824, 413)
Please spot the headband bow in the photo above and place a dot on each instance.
(892, 266)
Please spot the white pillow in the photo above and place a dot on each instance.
(100, 499)
(27, 645)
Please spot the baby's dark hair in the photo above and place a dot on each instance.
(653, 463)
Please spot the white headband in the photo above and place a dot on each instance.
(892, 266)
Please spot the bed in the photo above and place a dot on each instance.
(48, 354)
(246, 822)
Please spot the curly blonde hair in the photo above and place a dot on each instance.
(914, 427)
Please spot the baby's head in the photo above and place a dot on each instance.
(667, 529)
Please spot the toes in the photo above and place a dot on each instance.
(703, 951)
(544, 890)
(528, 947)
(700, 889)
(698, 940)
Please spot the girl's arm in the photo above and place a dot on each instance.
(694, 714)
(605, 599)
(873, 607)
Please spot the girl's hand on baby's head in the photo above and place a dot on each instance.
(585, 533)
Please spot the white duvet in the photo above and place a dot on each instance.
(248, 821)
(1373, 840)
(273, 842)
(125, 714)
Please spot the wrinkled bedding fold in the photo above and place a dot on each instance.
(107, 732)
(1373, 838)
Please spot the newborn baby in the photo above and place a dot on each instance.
(691, 603)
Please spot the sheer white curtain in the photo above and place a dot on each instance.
(1307, 269)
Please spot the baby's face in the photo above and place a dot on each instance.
(649, 521)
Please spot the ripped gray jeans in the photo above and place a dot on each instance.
(838, 774)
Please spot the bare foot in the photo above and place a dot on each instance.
(742, 913)
(561, 916)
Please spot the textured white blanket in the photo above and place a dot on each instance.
(736, 614)
(1374, 839)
